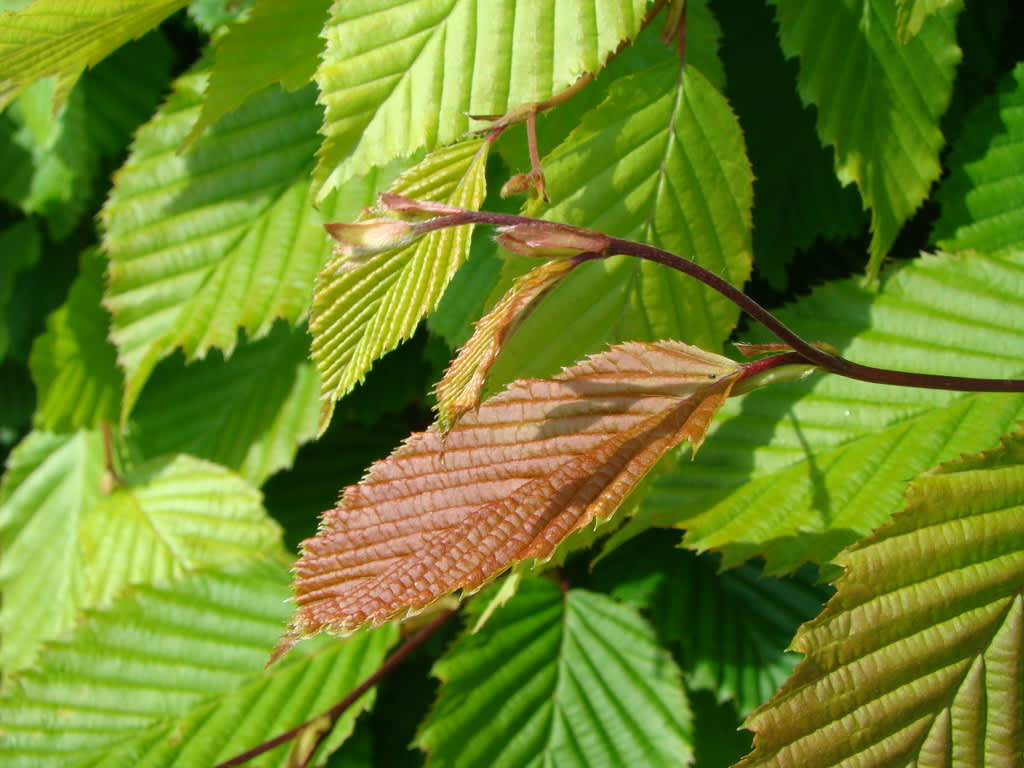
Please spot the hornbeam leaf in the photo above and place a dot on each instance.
(178, 513)
(912, 14)
(578, 679)
(291, 30)
(879, 100)
(798, 472)
(58, 38)
(404, 75)
(509, 482)
(176, 677)
(363, 307)
(661, 161)
(74, 365)
(459, 390)
(921, 651)
(983, 198)
(219, 238)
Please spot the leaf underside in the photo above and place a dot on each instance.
(921, 651)
(509, 482)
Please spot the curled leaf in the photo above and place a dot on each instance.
(509, 482)
(370, 236)
(460, 387)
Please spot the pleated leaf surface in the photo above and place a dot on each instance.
(559, 679)
(983, 198)
(69, 546)
(218, 238)
(403, 75)
(799, 471)
(363, 308)
(59, 38)
(509, 482)
(176, 676)
(879, 100)
(661, 161)
(919, 657)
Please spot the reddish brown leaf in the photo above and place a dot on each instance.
(460, 387)
(509, 482)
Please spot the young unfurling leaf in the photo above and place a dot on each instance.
(509, 482)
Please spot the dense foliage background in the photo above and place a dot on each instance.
(166, 171)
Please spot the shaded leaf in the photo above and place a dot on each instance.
(242, 66)
(176, 676)
(508, 483)
(51, 37)
(797, 472)
(983, 198)
(363, 307)
(64, 538)
(20, 245)
(577, 678)
(459, 390)
(879, 101)
(661, 161)
(920, 651)
(406, 76)
(219, 238)
(74, 366)
(732, 628)
(797, 197)
(249, 413)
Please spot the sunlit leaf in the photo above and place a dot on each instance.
(290, 29)
(555, 679)
(74, 366)
(912, 14)
(219, 238)
(799, 471)
(67, 540)
(508, 483)
(662, 161)
(878, 100)
(983, 198)
(406, 75)
(363, 308)
(177, 677)
(921, 650)
(58, 38)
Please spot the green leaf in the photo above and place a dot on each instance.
(660, 161)
(220, 238)
(249, 413)
(879, 101)
(176, 677)
(798, 471)
(363, 308)
(797, 197)
(209, 15)
(20, 245)
(732, 627)
(920, 651)
(912, 14)
(290, 29)
(56, 38)
(64, 538)
(408, 75)
(74, 366)
(577, 678)
(983, 198)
